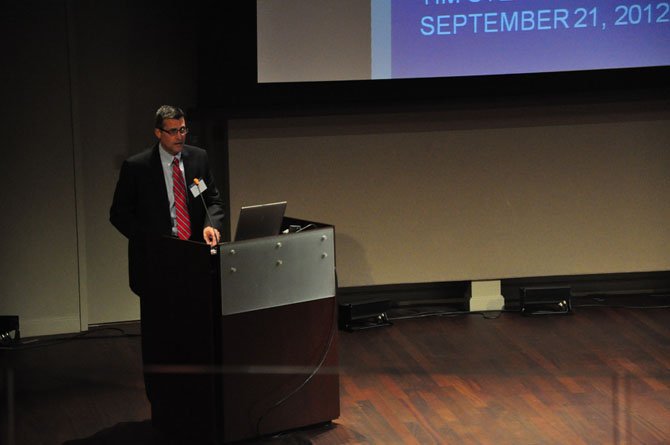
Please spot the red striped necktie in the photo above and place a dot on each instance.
(179, 189)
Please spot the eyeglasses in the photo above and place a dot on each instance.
(174, 131)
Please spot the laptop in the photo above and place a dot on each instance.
(258, 221)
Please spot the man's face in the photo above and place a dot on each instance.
(173, 144)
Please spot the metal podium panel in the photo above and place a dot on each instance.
(268, 272)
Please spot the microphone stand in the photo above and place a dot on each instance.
(212, 250)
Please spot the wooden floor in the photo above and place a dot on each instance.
(598, 376)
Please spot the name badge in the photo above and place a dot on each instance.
(198, 188)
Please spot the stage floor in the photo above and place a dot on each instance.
(600, 375)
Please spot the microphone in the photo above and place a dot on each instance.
(196, 181)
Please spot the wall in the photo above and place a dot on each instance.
(39, 257)
(471, 193)
(81, 81)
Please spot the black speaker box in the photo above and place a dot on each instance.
(9, 329)
(545, 300)
(363, 315)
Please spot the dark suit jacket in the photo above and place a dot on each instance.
(140, 208)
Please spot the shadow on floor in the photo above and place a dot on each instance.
(143, 433)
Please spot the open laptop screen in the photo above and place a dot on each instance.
(260, 220)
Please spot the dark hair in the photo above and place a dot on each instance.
(167, 112)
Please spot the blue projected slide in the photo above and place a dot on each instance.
(442, 38)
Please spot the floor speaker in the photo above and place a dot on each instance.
(9, 330)
(545, 300)
(363, 315)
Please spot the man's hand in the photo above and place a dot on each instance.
(211, 236)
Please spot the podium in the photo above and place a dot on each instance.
(241, 343)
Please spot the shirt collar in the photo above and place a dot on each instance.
(167, 158)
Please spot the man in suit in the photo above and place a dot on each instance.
(153, 199)
(144, 200)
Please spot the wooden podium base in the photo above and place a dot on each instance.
(234, 377)
(280, 369)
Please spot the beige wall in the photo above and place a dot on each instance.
(81, 81)
(471, 194)
(38, 258)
